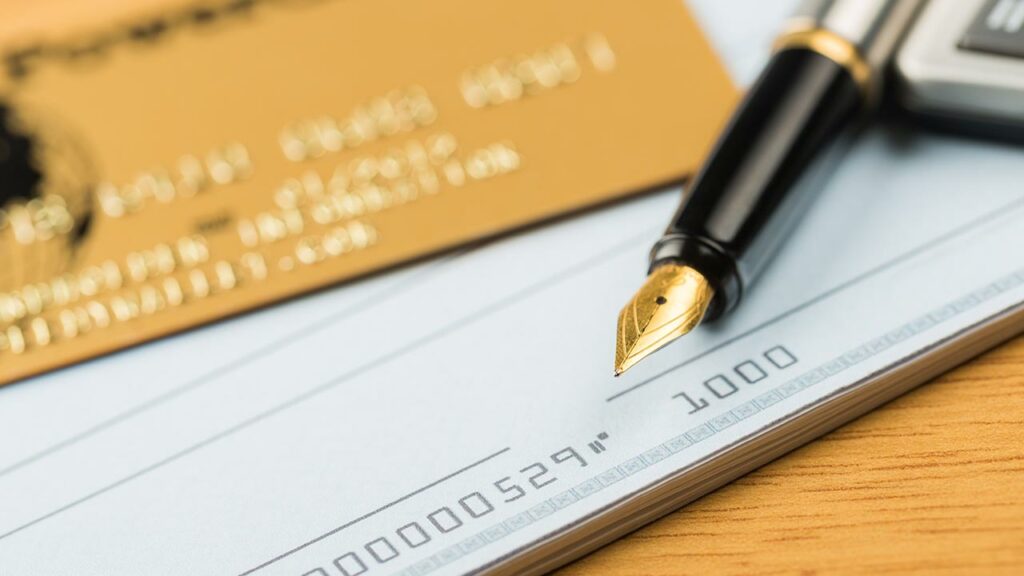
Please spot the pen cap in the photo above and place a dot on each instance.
(873, 27)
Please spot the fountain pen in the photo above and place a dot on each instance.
(824, 74)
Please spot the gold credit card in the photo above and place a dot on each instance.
(167, 169)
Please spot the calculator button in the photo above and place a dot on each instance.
(998, 28)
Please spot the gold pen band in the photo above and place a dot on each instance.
(835, 48)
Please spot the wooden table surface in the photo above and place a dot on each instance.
(932, 482)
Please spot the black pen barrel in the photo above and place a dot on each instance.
(758, 180)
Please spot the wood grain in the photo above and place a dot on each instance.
(933, 483)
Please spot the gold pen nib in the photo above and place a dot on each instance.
(670, 303)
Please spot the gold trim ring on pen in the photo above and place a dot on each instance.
(835, 48)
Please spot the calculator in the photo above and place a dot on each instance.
(961, 67)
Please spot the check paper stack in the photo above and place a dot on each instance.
(435, 421)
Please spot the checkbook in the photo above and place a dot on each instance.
(417, 422)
